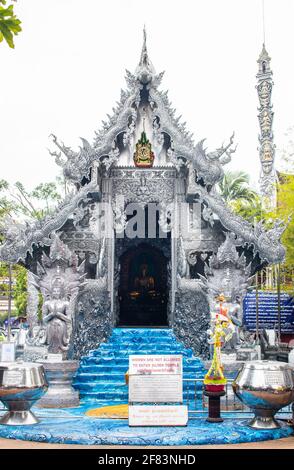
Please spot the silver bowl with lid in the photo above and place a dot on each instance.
(21, 385)
(265, 387)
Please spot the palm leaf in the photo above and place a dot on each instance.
(9, 24)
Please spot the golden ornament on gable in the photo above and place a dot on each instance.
(143, 156)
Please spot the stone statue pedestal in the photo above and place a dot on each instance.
(60, 393)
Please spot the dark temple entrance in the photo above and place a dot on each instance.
(143, 287)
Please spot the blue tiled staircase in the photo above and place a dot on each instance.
(101, 376)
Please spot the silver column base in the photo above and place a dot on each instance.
(19, 418)
(60, 393)
(264, 420)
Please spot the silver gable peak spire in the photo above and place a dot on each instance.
(145, 70)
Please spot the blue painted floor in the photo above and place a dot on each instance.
(101, 381)
(72, 427)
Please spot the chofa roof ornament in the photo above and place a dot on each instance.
(145, 70)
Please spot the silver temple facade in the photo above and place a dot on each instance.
(142, 160)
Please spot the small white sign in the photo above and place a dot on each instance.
(7, 351)
(54, 357)
(150, 364)
(158, 415)
(155, 388)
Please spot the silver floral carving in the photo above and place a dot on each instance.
(32, 301)
(94, 323)
(192, 317)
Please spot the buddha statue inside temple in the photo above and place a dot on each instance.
(144, 283)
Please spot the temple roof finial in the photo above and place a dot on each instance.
(264, 55)
(144, 47)
(145, 70)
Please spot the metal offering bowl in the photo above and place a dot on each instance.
(265, 387)
(21, 385)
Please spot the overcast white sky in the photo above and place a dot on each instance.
(68, 66)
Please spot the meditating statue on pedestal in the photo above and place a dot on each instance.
(144, 283)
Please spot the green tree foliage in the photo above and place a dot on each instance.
(16, 201)
(40, 305)
(9, 23)
(19, 204)
(46, 192)
(4, 287)
(285, 212)
(6, 206)
(235, 187)
(20, 294)
(285, 200)
(247, 203)
(250, 211)
(19, 286)
(243, 200)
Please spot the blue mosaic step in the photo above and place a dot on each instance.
(121, 369)
(109, 377)
(136, 334)
(97, 386)
(101, 376)
(124, 361)
(158, 349)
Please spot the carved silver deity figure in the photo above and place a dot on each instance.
(57, 318)
(59, 279)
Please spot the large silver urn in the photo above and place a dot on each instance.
(265, 387)
(21, 385)
(60, 392)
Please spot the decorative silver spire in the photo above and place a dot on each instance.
(145, 71)
(268, 178)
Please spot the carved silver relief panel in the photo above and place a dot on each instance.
(144, 186)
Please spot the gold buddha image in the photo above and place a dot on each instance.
(143, 282)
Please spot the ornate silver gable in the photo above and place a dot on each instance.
(201, 169)
(105, 149)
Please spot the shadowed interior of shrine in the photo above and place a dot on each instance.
(143, 291)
